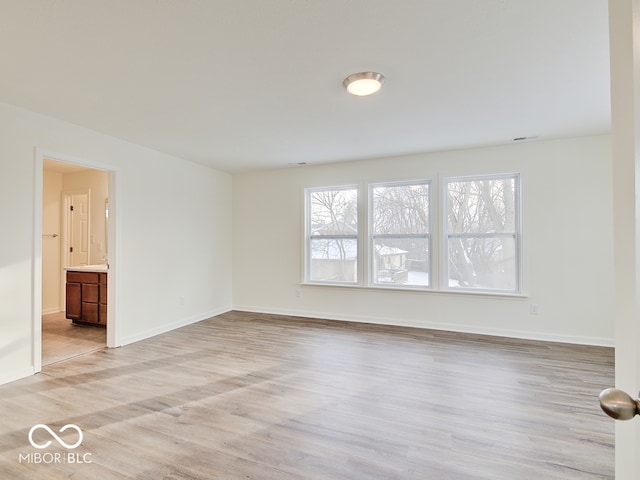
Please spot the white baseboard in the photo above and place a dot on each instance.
(49, 311)
(170, 326)
(474, 329)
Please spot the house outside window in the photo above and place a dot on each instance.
(400, 234)
(332, 235)
(483, 233)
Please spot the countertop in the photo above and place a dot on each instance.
(89, 268)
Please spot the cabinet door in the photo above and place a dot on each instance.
(90, 312)
(74, 301)
(102, 314)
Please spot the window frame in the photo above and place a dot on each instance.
(443, 253)
(372, 236)
(437, 237)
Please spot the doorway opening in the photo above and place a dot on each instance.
(75, 231)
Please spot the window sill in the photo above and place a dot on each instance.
(416, 290)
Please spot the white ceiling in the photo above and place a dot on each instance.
(252, 84)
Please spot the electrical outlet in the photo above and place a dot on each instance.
(297, 293)
(181, 301)
(534, 309)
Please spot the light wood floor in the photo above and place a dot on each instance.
(62, 340)
(250, 396)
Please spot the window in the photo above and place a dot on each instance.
(390, 238)
(332, 235)
(482, 233)
(399, 234)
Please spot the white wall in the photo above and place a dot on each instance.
(567, 264)
(174, 233)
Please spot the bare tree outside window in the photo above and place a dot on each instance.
(482, 233)
(333, 235)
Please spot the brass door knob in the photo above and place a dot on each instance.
(618, 404)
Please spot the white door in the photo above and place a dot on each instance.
(624, 30)
(78, 222)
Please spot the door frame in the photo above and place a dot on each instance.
(113, 240)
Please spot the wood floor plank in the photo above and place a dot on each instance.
(256, 396)
(61, 339)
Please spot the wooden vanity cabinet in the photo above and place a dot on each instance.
(87, 298)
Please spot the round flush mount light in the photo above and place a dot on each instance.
(363, 83)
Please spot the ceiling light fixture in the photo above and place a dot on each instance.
(363, 83)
